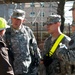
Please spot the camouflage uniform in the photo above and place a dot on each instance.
(58, 63)
(71, 45)
(71, 54)
(20, 41)
(5, 66)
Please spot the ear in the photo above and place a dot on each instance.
(58, 23)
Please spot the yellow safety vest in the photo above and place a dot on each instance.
(52, 50)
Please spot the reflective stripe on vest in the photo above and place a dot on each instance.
(52, 50)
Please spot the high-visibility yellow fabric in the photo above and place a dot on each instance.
(3, 23)
(52, 50)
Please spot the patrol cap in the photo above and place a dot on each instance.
(73, 7)
(53, 19)
(3, 24)
(19, 14)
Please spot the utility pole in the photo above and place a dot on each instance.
(41, 15)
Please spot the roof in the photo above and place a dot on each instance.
(27, 1)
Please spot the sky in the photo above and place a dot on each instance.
(67, 13)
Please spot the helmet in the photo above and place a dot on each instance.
(3, 23)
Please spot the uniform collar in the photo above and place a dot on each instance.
(21, 29)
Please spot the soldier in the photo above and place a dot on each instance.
(55, 47)
(73, 12)
(22, 41)
(5, 66)
(71, 45)
(73, 15)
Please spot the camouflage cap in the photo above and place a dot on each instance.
(53, 19)
(73, 7)
(19, 14)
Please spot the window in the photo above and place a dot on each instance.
(42, 14)
(42, 4)
(32, 5)
(32, 14)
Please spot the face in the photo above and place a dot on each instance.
(52, 28)
(16, 23)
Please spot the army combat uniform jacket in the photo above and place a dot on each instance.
(20, 43)
(5, 66)
(71, 54)
(57, 62)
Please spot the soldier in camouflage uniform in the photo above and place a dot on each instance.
(21, 37)
(71, 45)
(5, 66)
(56, 64)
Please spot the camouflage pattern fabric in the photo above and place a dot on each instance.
(20, 40)
(59, 65)
(72, 50)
